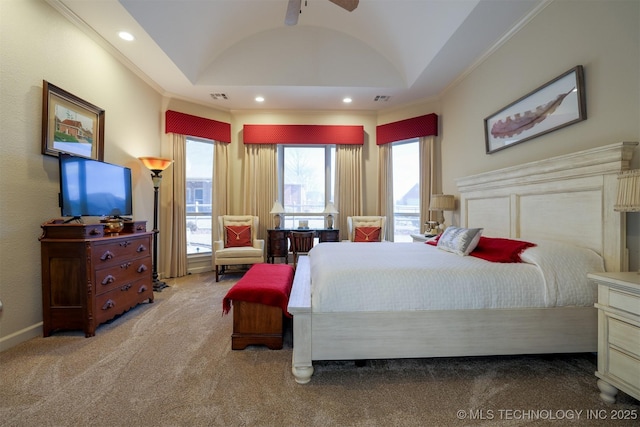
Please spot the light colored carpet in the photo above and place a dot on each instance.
(170, 364)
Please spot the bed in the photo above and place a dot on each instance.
(566, 200)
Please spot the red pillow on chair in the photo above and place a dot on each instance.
(366, 234)
(238, 236)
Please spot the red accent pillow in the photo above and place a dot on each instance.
(367, 234)
(496, 249)
(238, 236)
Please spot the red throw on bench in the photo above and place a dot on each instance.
(260, 302)
(268, 284)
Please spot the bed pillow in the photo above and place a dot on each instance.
(497, 249)
(238, 236)
(460, 241)
(366, 234)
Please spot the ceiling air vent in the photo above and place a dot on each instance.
(217, 96)
(380, 98)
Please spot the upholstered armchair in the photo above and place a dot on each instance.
(366, 228)
(238, 244)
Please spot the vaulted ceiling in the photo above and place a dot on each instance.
(224, 53)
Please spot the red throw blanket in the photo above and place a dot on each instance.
(500, 250)
(495, 249)
(268, 284)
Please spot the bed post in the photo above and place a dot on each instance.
(300, 308)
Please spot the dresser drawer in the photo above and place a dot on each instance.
(624, 301)
(111, 253)
(625, 336)
(121, 274)
(117, 301)
(625, 367)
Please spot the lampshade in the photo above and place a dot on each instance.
(156, 163)
(628, 191)
(277, 208)
(442, 202)
(330, 209)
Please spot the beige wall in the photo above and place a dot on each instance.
(37, 43)
(602, 36)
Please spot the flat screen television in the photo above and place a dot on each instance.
(92, 188)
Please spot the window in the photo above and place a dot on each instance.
(306, 181)
(406, 189)
(199, 177)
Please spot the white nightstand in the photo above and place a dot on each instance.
(618, 334)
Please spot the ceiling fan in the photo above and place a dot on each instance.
(293, 9)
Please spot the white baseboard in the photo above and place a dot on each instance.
(21, 336)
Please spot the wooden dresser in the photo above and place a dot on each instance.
(89, 278)
(618, 334)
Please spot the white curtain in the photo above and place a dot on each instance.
(260, 186)
(428, 177)
(219, 186)
(172, 254)
(385, 188)
(348, 185)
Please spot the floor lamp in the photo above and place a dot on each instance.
(156, 165)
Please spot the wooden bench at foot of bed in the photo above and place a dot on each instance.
(256, 324)
(260, 302)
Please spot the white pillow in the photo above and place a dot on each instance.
(460, 241)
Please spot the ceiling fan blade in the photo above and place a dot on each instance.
(349, 5)
(293, 11)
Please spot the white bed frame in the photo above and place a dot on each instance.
(568, 198)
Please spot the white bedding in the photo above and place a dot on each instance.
(348, 276)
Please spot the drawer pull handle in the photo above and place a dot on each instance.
(94, 232)
(125, 265)
(126, 287)
(142, 289)
(142, 268)
(106, 256)
(109, 304)
(125, 243)
(108, 279)
(141, 248)
(140, 227)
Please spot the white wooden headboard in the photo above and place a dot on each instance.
(568, 198)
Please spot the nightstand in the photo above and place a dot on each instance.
(422, 237)
(618, 334)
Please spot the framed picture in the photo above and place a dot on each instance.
(70, 124)
(554, 105)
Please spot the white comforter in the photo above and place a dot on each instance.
(349, 276)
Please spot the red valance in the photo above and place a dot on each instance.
(410, 128)
(303, 134)
(186, 124)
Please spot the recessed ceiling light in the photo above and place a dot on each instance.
(124, 35)
(347, 100)
(259, 99)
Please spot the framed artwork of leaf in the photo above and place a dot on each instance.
(554, 105)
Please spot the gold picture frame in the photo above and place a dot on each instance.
(70, 124)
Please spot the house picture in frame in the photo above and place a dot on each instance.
(70, 124)
(552, 106)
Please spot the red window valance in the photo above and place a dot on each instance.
(186, 124)
(303, 134)
(410, 128)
